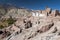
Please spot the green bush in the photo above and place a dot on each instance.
(6, 23)
(10, 21)
(1, 26)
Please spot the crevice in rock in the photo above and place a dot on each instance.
(1, 32)
(38, 22)
(59, 33)
(20, 30)
(33, 35)
(55, 30)
(51, 25)
(38, 31)
(28, 25)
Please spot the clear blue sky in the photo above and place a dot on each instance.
(33, 4)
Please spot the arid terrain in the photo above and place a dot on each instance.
(25, 24)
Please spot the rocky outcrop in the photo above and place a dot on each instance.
(30, 24)
(55, 13)
(45, 30)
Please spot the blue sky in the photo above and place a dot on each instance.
(33, 4)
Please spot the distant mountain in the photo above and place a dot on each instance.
(7, 10)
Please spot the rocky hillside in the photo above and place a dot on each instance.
(8, 10)
(25, 24)
(9, 13)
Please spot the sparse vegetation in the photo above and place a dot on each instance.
(6, 23)
(10, 21)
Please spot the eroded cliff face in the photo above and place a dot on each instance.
(30, 24)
